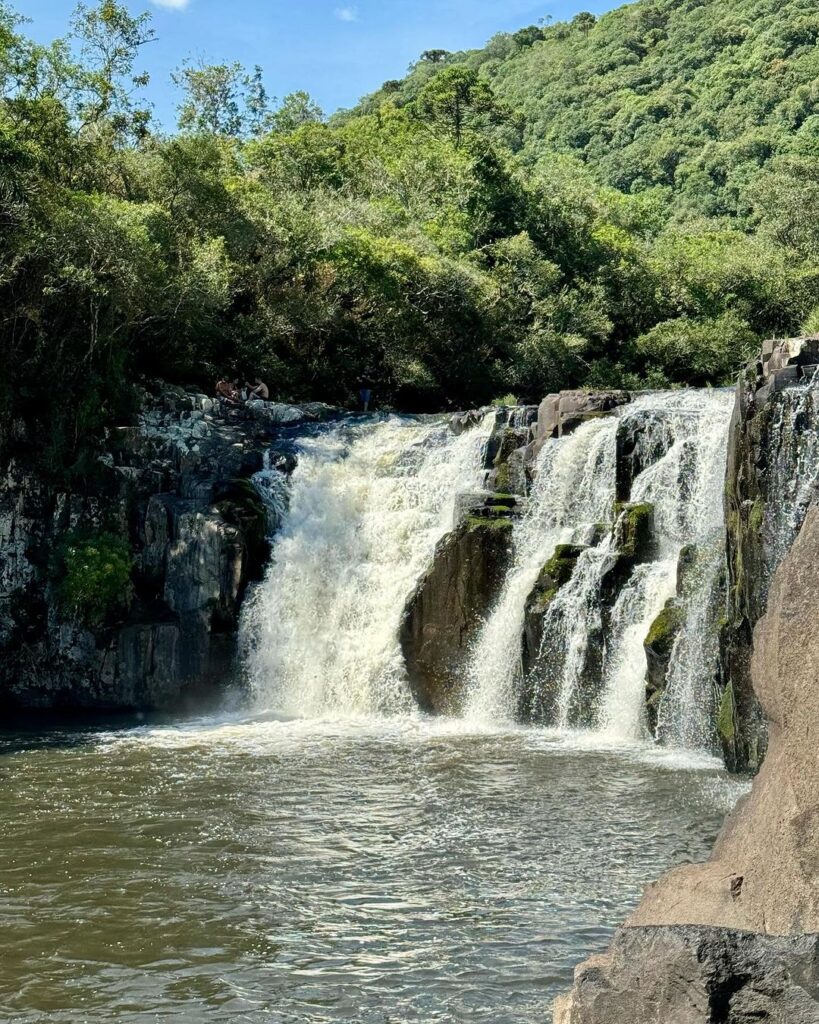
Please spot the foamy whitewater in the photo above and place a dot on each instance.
(370, 501)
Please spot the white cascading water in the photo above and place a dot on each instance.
(573, 490)
(272, 487)
(683, 439)
(367, 507)
(685, 486)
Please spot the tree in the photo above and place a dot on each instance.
(454, 99)
(257, 102)
(296, 110)
(435, 56)
(584, 22)
(109, 42)
(214, 98)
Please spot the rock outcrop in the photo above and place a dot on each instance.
(174, 489)
(451, 601)
(735, 940)
(773, 421)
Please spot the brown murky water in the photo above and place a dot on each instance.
(262, 871)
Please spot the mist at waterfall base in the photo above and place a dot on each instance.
(329, 854)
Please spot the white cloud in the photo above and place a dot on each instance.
(175, 5)
(347, 13)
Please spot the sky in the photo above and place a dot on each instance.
(337, 50)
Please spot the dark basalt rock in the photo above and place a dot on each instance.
(562, 413)
(540, 672)
(176, 487)
(690, 975)
(659, 645)
(751, 560)
(449, 604)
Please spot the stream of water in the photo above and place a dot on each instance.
(330, 855)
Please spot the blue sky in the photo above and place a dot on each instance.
(337, 50)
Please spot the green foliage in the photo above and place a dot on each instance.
(95, 577)
(630, 201)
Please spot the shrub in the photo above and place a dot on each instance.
(95, 579)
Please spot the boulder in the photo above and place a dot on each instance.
(541, 672)
(735, 939)
(659, 645)
(449, 604)
(562, 413)
(697, 976)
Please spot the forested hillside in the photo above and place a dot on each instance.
(630, 201)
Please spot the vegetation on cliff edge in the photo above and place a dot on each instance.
(626, 201)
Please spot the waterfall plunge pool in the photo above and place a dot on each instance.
(364, 871)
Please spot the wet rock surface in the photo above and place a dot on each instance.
(766, 456)
(735, 940)
(450, 602)
(176, 487)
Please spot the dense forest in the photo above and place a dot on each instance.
(628, 201)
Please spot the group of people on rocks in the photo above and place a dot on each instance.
(230, 392)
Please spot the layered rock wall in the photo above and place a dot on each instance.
(175, 488)
(735, 940)
(765, 456)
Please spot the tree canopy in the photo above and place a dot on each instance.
(630, 200)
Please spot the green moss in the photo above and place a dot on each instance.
(561, 565)
(479, 523)
(665, 628)
(635, 527)
(725, 716)
(94, 577)
(757, 516)
(503, 477)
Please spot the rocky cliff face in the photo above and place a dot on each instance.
(174, 489)
(735, 940)
(773, 461)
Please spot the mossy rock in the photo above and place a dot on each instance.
(726, 716)
(503, 522)
(554, 575)
(634, 530)
(665, 629)
(756, 518)
(686, 563)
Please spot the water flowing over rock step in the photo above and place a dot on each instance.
(615, 497)
(737, 938)
(173, 493)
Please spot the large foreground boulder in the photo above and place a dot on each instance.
(763, 877)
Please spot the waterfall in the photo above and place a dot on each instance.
(368, 502)
(591, 667)
(573, 490)
(793, 468)
(367, 506)
(272, 487)
(686, 488)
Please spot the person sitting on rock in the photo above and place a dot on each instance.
(227, 391)
(259, 391)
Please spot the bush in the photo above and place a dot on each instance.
(96, 578)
